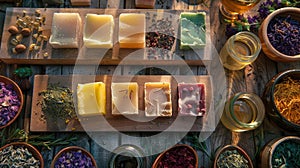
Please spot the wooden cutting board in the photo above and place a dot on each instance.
(113, 56)
(119, 123)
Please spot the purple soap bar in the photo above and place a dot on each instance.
(191, 99)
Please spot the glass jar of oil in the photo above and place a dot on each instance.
(240, 50)
(243, 112)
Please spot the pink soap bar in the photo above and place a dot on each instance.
(191, 99)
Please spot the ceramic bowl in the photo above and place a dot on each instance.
(70, 149)
(189, 148)
(267, 152)
(231, 148)
(19, 92)
(267, 47)
(35, 153)
(268, 98)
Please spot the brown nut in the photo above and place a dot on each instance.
(25, 32)
(20, 48)
(13, 30)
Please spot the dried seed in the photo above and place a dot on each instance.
(25, 32)
(13, 30)
(20, 48)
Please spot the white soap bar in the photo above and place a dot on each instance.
(98, 31)
(124, 98)
(132, 28)
(65, 30)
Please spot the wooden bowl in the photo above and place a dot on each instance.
(233, 147)
(160, 156)
(267, 47)
(35, 153)
(73, 148)
(20, 95)
(269, 100)
(267, 152)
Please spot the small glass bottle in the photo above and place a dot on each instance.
(240, 50)
(243, 112)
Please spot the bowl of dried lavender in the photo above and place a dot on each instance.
(73, 156)
(178, 156)
(20, 154)
(281, 152)
(279, 34)
(232, 156)
(11, 101)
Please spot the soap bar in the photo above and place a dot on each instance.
(191, 99)
(91, 99)
(193, 30)
(65, 30)
(132, 30)
(145, 4)
(98, 31)
(157, 99)
(81, 2)
(124, 98)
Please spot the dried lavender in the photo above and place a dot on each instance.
(284, 35)
(73, 159)
(17, 156)
(9, 103)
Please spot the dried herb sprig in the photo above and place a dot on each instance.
(193, 138)
(252, 23)
(40, 140)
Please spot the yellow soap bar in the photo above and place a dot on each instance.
(132, 28)
(124, 98)
(65, 30)
(98, 31)
(91, 98)
(157, 99)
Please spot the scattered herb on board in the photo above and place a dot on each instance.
(232, 159)
(57, 102)
(286, 154)
(287, 99)
(18, 156)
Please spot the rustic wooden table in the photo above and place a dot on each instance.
(251, 79)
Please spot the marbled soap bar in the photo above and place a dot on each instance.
(132, 28)
(124, 98)
(191, 99)
(65, 30)
(158, 99)
(193, 30)
(98, 31)
(91, 98)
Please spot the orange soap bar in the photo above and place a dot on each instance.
(132, 30)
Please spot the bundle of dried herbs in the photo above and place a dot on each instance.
(57, 102)
(287, 99)
(286, 154)
(232, 159)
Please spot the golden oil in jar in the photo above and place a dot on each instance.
(243, 112)
(240, 50)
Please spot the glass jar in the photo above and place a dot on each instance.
(240, 50)
(128, 155)
(243, 112)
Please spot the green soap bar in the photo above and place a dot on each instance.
(192, 30)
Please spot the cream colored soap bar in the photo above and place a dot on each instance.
(132, 30)
(91, 99)
(124, 98)
(65, 30)
(98, 31)
(158, 99)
